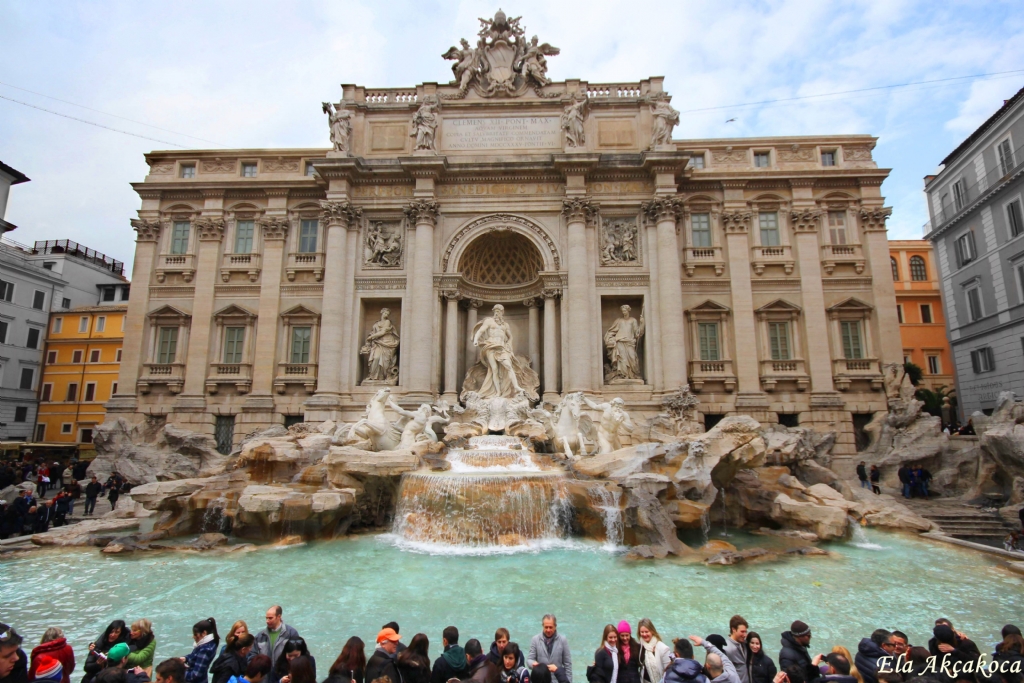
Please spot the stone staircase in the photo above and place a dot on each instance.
(964, 521)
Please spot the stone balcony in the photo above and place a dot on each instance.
(838, 254)
(775, 371)
(847, 370)
(311, 262)
(782, 255)
(295, 373)
(171, 375)
(703, 257)
(180, 264)
(240, 263)
(237, 374)
(702, 371)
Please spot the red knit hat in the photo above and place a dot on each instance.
(49, 669)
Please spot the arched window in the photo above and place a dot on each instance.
(895, 270)
(917, 269)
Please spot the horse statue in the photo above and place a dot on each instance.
(568, 427)
(375, 432)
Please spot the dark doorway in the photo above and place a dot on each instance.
(861, 438)
(711, 419)
(789, 419)
(224, 433)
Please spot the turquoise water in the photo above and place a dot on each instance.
(332, 590)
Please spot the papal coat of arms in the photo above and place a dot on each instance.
(503, 62)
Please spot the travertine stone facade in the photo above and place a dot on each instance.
(760, 266)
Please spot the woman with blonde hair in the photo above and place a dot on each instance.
(143, 645)
(839, 649)
(655, 656)
(607, 658)
(238, 629)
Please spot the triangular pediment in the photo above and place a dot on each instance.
(168, 311)
(234, 311)
(300, 311)
(779, 305)
(710, 306)
(851, 304)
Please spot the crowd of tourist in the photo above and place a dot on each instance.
(278, 654)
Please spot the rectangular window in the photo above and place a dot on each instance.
(852, 347)
(708, 334)
(244, 231)
(1005, 156)
(234, 339)
(117, 356)
(47, 392)
(76, 356)
(1014, 218)
(983, 360)
(58, 324)
(38, 300)
(837, 227)
(72, 394)
(926, 313)
(697, 161)
(248, 170)
(933, 365)
(307, 235)
(300, 344)
(86, 436)
(828, 158)
(51, 357)
(965, 252)
(778, 339)
(959, 194)
(109, 293)
(224, 433)
(125, 292)
(65, 303)
(3, 332)
(762, 159)
(28, 375)
(113, 388)
(90, 391)
(65, 428)
(32, 342)
(6, 290)
(310, 171)
(700, 229)
(40, 432)
(179, 237)
(101, 323)
(94, 356)
(83, 324)
(167, 345)
(974, 308)
(899, 313)
(769, 221)
(21, 413)
(188, 170)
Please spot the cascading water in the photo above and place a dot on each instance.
(608, 503)
(495, 496)
(705, 524)
(858, 537)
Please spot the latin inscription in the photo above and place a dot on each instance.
(506, 132)
(477, 189)
(382, 191)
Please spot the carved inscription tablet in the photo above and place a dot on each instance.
(506, 132)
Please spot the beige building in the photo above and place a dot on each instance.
(760, 265)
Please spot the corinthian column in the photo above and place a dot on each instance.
(663, 211)
(472, 306)
(210, 232)
(876, 246)
(275, 234)
(533, 334)
(147, 237)
(550, 347)
(451, 346)
(420, 287)
(338, 216)
(577, 211)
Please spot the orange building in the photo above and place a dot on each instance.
(80, 367)
(920, 312)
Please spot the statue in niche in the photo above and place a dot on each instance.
(499, 373)
(424, 126)
(381, 350)
(665, 119)
(620, 340)
(384, 245)
(613, 419)
(619, 242)
(572, 122)
(341, 127)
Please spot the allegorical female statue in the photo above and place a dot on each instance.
(499, 372)
(381, 350)
(341, 127)
(620, 340)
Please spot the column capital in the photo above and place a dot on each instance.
(580, 209)
(452, 294)
(343, 213)
(806, 220)
(551, 294)
(422, 211)
(274, 228)
(873, 220)
(209, 229)
(663, 208)
(146, 231)
(737, 221)
(531, 302)
(474, 303)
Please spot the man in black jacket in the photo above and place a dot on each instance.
(838, 669)
(862, 474)
(92, 491)
(794, 651)
(870, 651)
(13, 662)
(452, 662)
(382, 662)
(479, 668)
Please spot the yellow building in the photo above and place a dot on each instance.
(80, 368)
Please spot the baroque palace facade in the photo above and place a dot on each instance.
(756, 270)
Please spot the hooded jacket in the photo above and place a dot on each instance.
(795, 654)
(59, 650)
(760, 668)
(227, 664)
(866, 660)
(495, 658)
(482, 670)
(451, 664)
(683, 670)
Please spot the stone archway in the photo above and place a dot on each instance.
(500, 259)
(465, 236)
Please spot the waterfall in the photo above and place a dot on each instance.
(214, 519)
(858, 537)
(608, 503)
(725, 514)
(705, 523)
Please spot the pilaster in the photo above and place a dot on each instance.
(876, 246)
(578, 212)
(275, 236)
(420, 294)
(664, 213)
(210, 233)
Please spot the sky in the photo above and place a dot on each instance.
(252, 74)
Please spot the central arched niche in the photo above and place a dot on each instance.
(501, 259)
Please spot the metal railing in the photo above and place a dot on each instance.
(948, 211)
(69, 248)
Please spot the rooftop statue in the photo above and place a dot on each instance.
(341, 127)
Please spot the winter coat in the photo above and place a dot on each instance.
(262, 644)
(737, 654)
(495, 657)
(381, 664)
(683, 670)
(482, 670)
(604, 667)
(59, 650)
(629, 672)
(410, 670)
(451, 664)
(116, 674)
(198, 662)
(559, 655)
(275, 676)
(518, 674)
(93, 489)
(728, 674)
(862, 472)
(760, 668)
(19, 674)
(837, 678)
(142, 652)
(93, 664)
(795, 654)
(866, 659)
(345, 676)
(228, 664)
(662, 656)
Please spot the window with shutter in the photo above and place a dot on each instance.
(1005, 152)
(974, 307)
(769, 223)
(837, 227)
(778, 339)
(167, 346)
(700, 230)
(300, 344)
(234, 337)
(852, 348)
(1014, 218)
(708, 335)
(244, 231)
